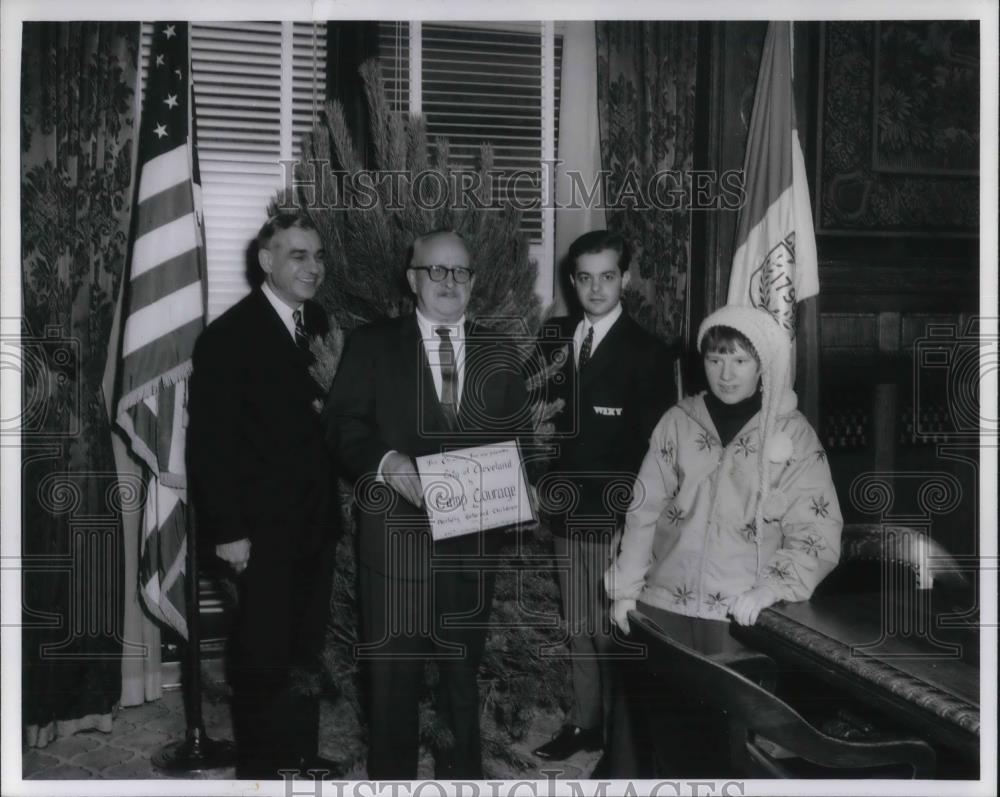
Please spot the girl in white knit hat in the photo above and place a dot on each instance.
(734, 508)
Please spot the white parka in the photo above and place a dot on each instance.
(691, 544)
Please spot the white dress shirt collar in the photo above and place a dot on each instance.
(285, 313)
(427, 328)
(601, 329)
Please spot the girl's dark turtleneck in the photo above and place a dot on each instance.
(730, 418)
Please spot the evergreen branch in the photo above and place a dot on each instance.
(378, 112)
(326, 355)
(342, 148)
(397, 142)
(416, 144)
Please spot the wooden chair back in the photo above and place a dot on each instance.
(763, 722)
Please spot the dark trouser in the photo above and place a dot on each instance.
(660, 732)
(581, 560)
(406, 623)
(276, 654)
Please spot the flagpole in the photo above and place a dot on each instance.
(197, 752)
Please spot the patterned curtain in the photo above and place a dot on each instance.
(646, 102)
(78, 84)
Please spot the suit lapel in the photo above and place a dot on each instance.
(416, 371)
(568, 369)
(607, 353)
(472, 347)
(286, 353)
(275, 327)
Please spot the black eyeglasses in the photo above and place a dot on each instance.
(460, 274)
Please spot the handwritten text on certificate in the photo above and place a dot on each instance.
(471, 490)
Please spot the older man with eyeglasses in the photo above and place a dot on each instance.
(408, 387)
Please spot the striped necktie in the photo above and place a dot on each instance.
(308, 358)
(449, 386)
(301, 338)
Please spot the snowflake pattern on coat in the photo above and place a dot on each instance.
(683, 595)
(716, 601)
(820, 506)
(668, 451)
(813, 544)
(779, 570)
(745, 446)
(705, 441)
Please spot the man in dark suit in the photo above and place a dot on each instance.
(408, 387)
(262, 484)
(617, 382)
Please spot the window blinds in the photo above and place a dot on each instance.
(481, 83)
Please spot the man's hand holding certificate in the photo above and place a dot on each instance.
(474, 489)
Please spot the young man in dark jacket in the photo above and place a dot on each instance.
(617, 381)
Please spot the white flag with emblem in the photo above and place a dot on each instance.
(775, 262)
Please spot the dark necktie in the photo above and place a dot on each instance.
(301, 338)
(588, 344)
(308, 358)
(449, 387)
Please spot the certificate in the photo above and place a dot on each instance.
(471, 490)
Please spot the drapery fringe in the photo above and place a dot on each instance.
(176, 374)
(177, 481)
(163, 611)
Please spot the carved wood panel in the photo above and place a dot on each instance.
(897, 157)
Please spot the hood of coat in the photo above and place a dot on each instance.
(774, 350)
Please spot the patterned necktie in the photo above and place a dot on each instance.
(308, 358)
(588, 344)
(301, 338)
(449, 391)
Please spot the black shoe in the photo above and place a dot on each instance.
(319, 768)
(569, 740)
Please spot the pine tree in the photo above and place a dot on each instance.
(366, 255)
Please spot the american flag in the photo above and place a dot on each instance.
(164, 311)
(775, 262)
